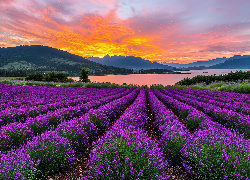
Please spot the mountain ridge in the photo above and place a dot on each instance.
(37, 58)
(130, 62)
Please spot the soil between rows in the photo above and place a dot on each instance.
(175, 172)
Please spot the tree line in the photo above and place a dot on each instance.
(15, 72)
(238, 75)
(57, 77)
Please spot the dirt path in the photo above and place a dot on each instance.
(176, 172)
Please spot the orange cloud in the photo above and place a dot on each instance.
(94, 35)
(157, 37)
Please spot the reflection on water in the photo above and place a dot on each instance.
(164, 79)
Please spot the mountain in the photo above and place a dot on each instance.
(235, 62)
(198, 63)
(130, 62)
(37, 58)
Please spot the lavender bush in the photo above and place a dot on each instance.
(102, 116)
(53, 152)
(17, 165)
(14, 135)
(226, 117)
(80, 132)
(126, 154)
(213, 154)
(191, 116)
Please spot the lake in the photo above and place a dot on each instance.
(164, 79)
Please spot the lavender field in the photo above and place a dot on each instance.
(91, 133)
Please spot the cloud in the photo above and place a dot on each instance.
(6, 2)
(132, 9)
(229, 47)
(176, 31)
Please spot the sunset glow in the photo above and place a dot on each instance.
(161, 30)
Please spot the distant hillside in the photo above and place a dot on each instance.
(235, 62)
(130, 62)
(198, 63)
(36, 58)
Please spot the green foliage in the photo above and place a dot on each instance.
(78, 142)
(84, 75)
(157, 86)
(78, 85)
(17, 117)
(17, 140)
(172, 150)
(109, 85)
(232, 124)
(6, 120)
(27, 172)
(53, 121)
(50, 77)
(184, 113)
(56, 77)
(238, 75)
(6, 82)
(35, 77)
(52, 158)
(124, 152)
(38, 128)
(70, 80)
(193, 124)
(19, 78)
(204, 162)
(226, 88)
(216, 85)
(242, 88)
(98, 123)
(48, 84)
(14, 72)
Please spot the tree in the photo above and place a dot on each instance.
(84, 75)
(35, 77)
(56, 77)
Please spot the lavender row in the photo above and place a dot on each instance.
(238, 102)
(227, 118)
(211, 152)
(226, 101)
(221, 95)
(50, 98)
(93, 123)
(125, 152)
(14, 134)
(214, 153)
(12, 92)
(172, 133)
(21, 114)
(39, 95)
(193, 118)
(53, 150)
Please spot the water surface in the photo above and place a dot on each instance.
(164, 79)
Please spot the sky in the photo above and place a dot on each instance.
(178, 31)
